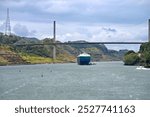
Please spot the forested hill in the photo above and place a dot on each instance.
(11, 54)
(141, 58)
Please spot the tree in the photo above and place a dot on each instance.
(129, 52)
(131, 59)
(145, 47)
(147, 59)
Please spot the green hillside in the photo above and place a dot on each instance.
(10, 53)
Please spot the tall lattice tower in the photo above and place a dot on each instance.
(7, 26)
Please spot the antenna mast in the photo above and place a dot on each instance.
(7, 27)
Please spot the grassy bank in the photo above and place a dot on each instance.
(9, 57)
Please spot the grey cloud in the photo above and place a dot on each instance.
(112, 11)
(22, 30)
(2, 27)
(109, 30)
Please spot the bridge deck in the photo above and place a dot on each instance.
(72, 43)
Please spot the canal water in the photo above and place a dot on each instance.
(103, 81)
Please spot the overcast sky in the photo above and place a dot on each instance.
(90, 20)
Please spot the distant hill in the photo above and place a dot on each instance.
(12, 54)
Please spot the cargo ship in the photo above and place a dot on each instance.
(84, 59)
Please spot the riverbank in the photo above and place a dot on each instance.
(10, 57)
(31, 60)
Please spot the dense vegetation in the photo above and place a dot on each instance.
(131, 58)
(10, 53)
(140, 58)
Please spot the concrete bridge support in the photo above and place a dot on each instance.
(54, 40)
(149, 30)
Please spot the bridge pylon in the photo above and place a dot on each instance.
(149, 30)
(54, 40)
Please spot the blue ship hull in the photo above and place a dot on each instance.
(85, 60)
